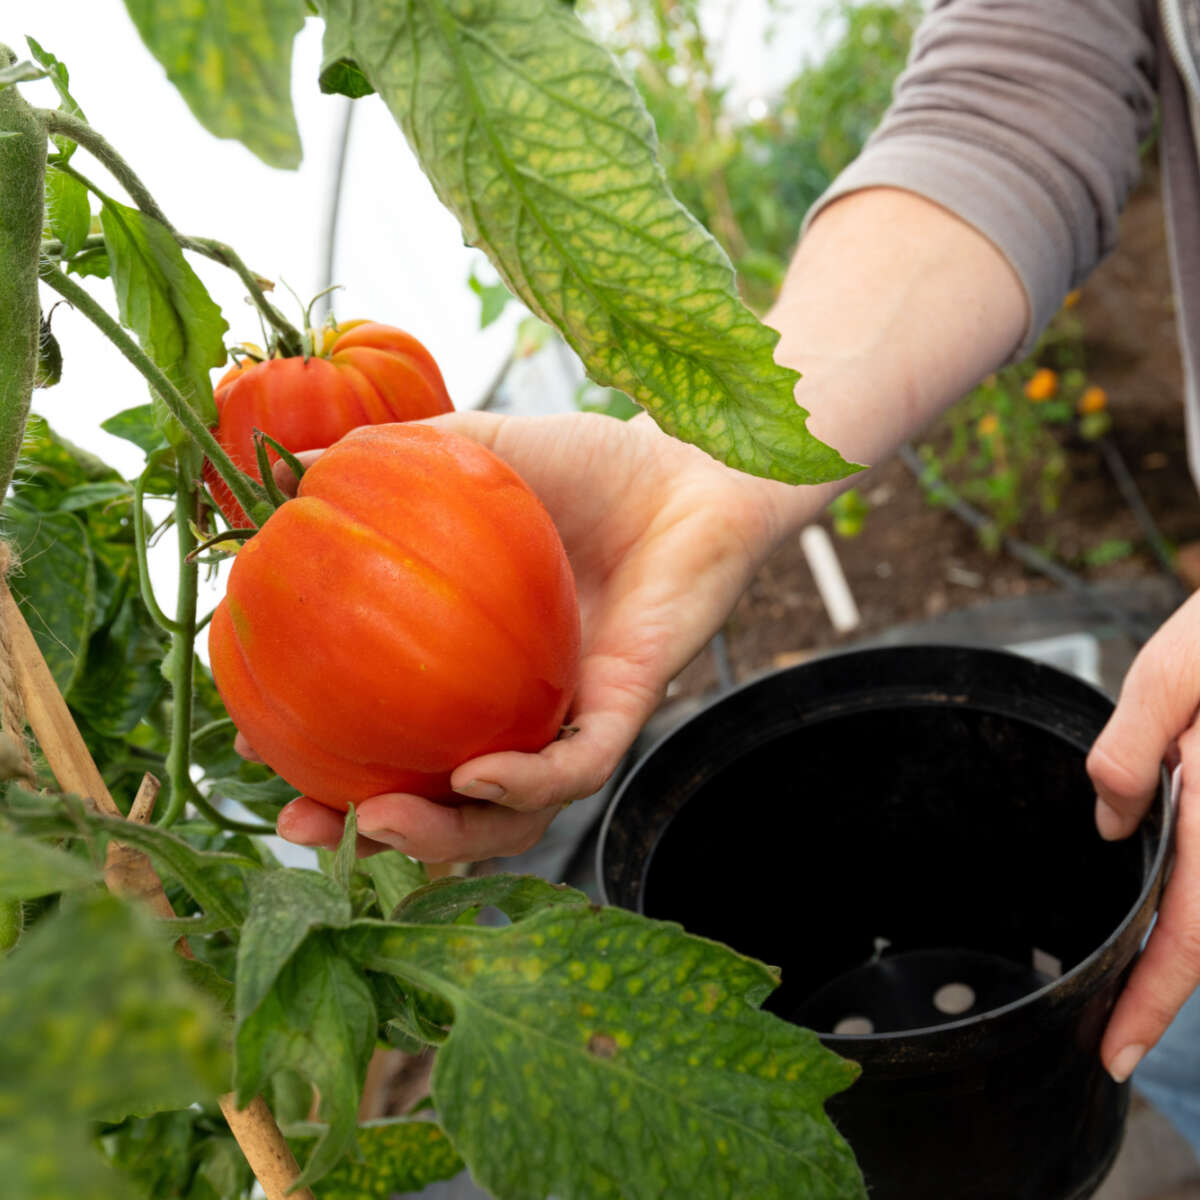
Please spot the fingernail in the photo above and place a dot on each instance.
(479, 789)
(1109, 822)
(1125, 1062)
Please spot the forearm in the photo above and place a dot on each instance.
(892, 309)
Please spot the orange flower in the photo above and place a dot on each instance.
(1042, 385)
(1071, 298)
(989, 425)
(1093, 400)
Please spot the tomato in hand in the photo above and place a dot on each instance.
(410, 609)
(364, 374)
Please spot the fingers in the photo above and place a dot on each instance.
(613, 705)
(1168, 970)
(243, 747)
(285, 477)
(422, 829)
(308, 823)
(1157, 704)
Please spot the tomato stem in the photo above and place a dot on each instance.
(58, 121)
(159, 617)
(22, 192)
(183, 652)
(248, 493)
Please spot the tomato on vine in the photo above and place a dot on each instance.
(410, 609)
(360, 373)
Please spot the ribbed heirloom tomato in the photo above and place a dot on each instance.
(412, 608)
(364, 374)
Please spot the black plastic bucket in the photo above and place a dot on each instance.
(908, 833)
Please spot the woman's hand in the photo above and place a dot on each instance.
(662, 540)
(1156, 721)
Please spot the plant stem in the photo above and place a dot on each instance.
(159, 617)
(22, 203)
(291, 341)
(218, 818)
(57, 121)
(183, 653)
(249, 494)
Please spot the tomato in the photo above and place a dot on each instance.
(365, 374)
(411, 608)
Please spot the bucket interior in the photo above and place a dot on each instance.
(905, 867)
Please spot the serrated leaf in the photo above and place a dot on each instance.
(54, 586)
(61, 79)
(68, 210)
(394, 1157)
(285, 907)
(163, 301)
(135, 425)
(319, 1019)
(531, 135)
(263, 797)
(517, 896)
(28, 869)
(344, 77)
(394, 876)
(232, 62)
(93, 261)
(596, 1053)
(99, 1022)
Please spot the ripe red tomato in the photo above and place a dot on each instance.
(412, 608)
(365, 374)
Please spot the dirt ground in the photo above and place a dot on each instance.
(914, 561)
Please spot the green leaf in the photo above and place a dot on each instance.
(216, 881)
(44, 1158)
(344, 77)
(28, 869)
(263, 797)
(394, 1157)
(493, 299)
(531, 135)
(285, 907)
(54, 586)
(394, 876)
(135, 425)
(99, 1022)
(319, 1019)
(61, 79)
(346, 858)
(232, 62)
(163, 301)
(93, 261)
(68, 210)
(586, 1041)
(84, 495)
(517, 896)
(124, 675)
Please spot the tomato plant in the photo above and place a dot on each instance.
(436, 609)
(356, 373)
(131, 1071)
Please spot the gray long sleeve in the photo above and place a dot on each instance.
(1022, 117)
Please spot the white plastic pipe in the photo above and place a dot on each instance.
(831, 579)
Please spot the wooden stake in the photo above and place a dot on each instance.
(130, 872)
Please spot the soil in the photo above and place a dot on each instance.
(914, 561)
